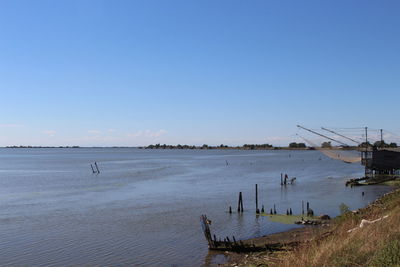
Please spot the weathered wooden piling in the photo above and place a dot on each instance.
(257, 210)
(262, 209)
(230, 209)
(302, 207)
(290, 211)
(97, 167)
(226, 244)
(310, 212)
(240, 203)
(238, 208)
(281, 179)
(206, 229)
(93, 171)
(274, 209)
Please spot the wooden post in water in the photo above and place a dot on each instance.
(97, 167)
(238, 209)
(308, 207)
(257, 210)
(206, 229)
(281, 179)
(240, 203)
(92, 168)
(302, 207)
(230, 209)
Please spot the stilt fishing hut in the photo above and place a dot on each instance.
(381, 163)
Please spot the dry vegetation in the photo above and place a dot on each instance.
(376, 244)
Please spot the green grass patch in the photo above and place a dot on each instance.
(349, 255)
(393, 182)
(389, 255)
(286, 219)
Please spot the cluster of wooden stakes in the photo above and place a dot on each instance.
(227, 244)
(240, 209)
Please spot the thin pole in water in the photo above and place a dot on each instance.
(91, 165)
(97, 167)
(257, 210)
(240, 204)
(240, 196)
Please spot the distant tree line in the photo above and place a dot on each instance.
(292, 145)
(255, 146)
(42, 146)
(326, 145)
(205, 146)
(164, 146)
(384, 145)
(380, 144)
(297, 145)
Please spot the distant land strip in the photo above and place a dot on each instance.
(42, 147)
(300, 146)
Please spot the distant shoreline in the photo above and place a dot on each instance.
(191, 147)
(138, 147)
(41, 147)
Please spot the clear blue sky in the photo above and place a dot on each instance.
(218, 71)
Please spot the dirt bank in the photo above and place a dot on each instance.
(340, 243)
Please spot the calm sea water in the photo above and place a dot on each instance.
(143, 208)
